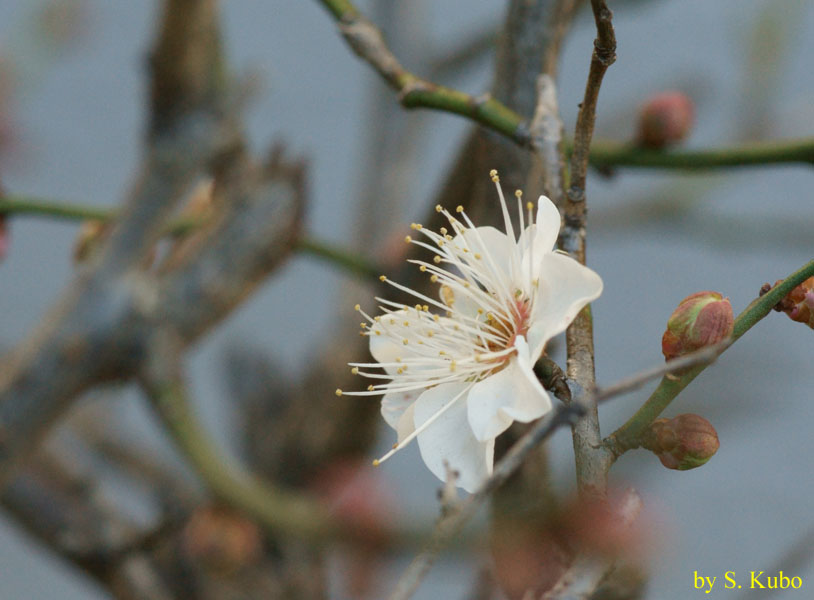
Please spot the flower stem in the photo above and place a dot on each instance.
(628, 435)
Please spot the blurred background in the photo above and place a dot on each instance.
(72, 109)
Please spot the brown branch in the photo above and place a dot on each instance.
(592, 461)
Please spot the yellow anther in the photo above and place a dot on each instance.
(478, 256)
(418, 307)
(443, 230)
(354, 371)
(426, 308)
(338, 392)
(518, 193)
(448, 238)
(400, 370)
(430, 333)
(357, 307)
(382, 278)
(436, 318)
(412, 225)
(419, 226)
(377, 332)
(438, 208)
(436, 260)
(405, 341)
(398, 359)
(376, 462)
(480, 311)
(529, 205)
(452, 365)
(377, 318)
(406, 323)
(392, 321)
(422, 268)
(408, 239)
(493, 173)
(441, 353)
(370, 388)
(459, 209)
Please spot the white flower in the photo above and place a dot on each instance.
(458, 378)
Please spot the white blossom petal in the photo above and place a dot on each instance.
(564, 288)
(512, 394)
(395, 405)
(446, 438)
(548, 226)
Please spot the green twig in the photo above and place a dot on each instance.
(629, 434)
(605, 153)
(24, 205)
(367, 42)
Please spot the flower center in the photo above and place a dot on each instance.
(514, 324)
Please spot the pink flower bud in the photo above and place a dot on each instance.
(683, 442)
(702, 319)
(665, 119)
(799, 303)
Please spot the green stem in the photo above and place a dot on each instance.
(23, 205)
(605, 154)
(629, 435)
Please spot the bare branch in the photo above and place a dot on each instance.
(592, 460)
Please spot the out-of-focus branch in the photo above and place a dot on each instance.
(585, 574)
(628, 435)
(23, 205)
(280, 511)
(472, 48)
(88, 336)
(592, 461)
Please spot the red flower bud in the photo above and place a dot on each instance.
(702, 319)
(683, 442)
(799, 303)
(664, 120)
